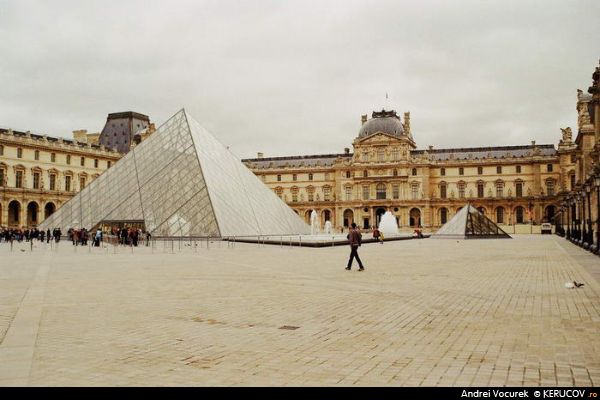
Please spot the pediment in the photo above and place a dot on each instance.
(379, 138)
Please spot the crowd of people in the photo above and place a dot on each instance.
(19, 235)
(131, 236)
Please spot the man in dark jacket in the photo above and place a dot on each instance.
(355, 240)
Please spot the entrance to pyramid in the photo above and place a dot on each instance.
(114, 226)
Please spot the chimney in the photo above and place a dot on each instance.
(430, 147)
(363, 119)
(533, 142)
(346, 150)
(259, 155)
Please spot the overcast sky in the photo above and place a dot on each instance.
(294, 77)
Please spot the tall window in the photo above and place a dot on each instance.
(52, 182)
(519, 189)
(550, 187)
(443, 215)
(395, 154)
(19, 179)
(19, 152)
(395, 172)
(365, 192)
(278, 178)
(461, 190)
(53, 157)
(69, 159)
(396, 192)
(311, 196)
(294, 177)
(499, 169)
(518, 169)
(2, 177)
(519, 212)
(479, 170)
(108, 164)
(36, 155)
(380, 155)
(36, 180)
(443, 191)
(415, 191)
(95, 163)
(365, 156)
(443, 171)
(500, 215)
(499, 189)
(549, 167)
(81, 183)
(414, 172)
(381, 192)
(480, 189)
(461, 171)
(82, 161)
(365, 174)
(348, 174)
(326, 193)
(310, 177)
(1, 150)
(572, 177)
(294, 197)
(348, 193)
(67, 183)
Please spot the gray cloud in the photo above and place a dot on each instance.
(294, 77)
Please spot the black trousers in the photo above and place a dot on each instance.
(353, 254)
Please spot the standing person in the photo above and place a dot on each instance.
(148, 237)
(48, 235)
(98, 238)
(377, 235)
(355, 240)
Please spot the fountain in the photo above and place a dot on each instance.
(314, 223)
(328, 227)
(388, 224)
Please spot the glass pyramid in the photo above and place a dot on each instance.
(469, 223)
(180, 182)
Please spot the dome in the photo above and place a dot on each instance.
(384, 121)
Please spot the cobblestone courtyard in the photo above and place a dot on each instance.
(425, 312)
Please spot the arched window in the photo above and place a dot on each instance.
(381, 192)
(500, 215)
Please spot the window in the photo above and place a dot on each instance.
(443, 171)
(82, 161)
(81, 183)
(326, 193)
(348, 174)
(518, 169)
(36, 155)
(19, 152)
(443, 191)
(69, 159)
(480, 189)
(415, 191)
(414, 172)
(365, 174)
(365, 192)
(549, 167)
(19, 179)
(294, 177)
(67, 183)
(365, 156)
(108, 164)
(550, 187)
(519, 212)
(572, 181)
(500, 215)
(380, 155)
(499, 169)
(53, 157)
(461, 171)
(443, 215)
(311, 196)
(381, 192)
(36, 180)
(395, 173)
(2, 177)
(499, 189)
(461, 190)
(95, 163)
(294, 197)
(573, 158)
(1, 150)
(52, 182)
(310, 177)
(348, 193)
(519, 189)
(395, 155)
(396, 192)
(479, 170)
(278, 178)
(326, 176)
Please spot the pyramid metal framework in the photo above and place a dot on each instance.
(180, 182)
(469, 223)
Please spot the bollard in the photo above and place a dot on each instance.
(172, 247)
(11, 245)
(300, 240)
(281, 241)
(332, 238)
(31, 244)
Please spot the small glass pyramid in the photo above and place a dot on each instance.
(180, 182)
(469, 223)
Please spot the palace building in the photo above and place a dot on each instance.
(38, 173)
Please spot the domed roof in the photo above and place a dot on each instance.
(384, 121)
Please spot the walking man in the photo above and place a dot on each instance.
(355, 240)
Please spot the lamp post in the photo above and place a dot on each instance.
(530, 217)
(584, 242)
(579, 219)
(567, 208)
(588, 191)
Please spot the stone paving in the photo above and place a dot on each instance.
(425, 312)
